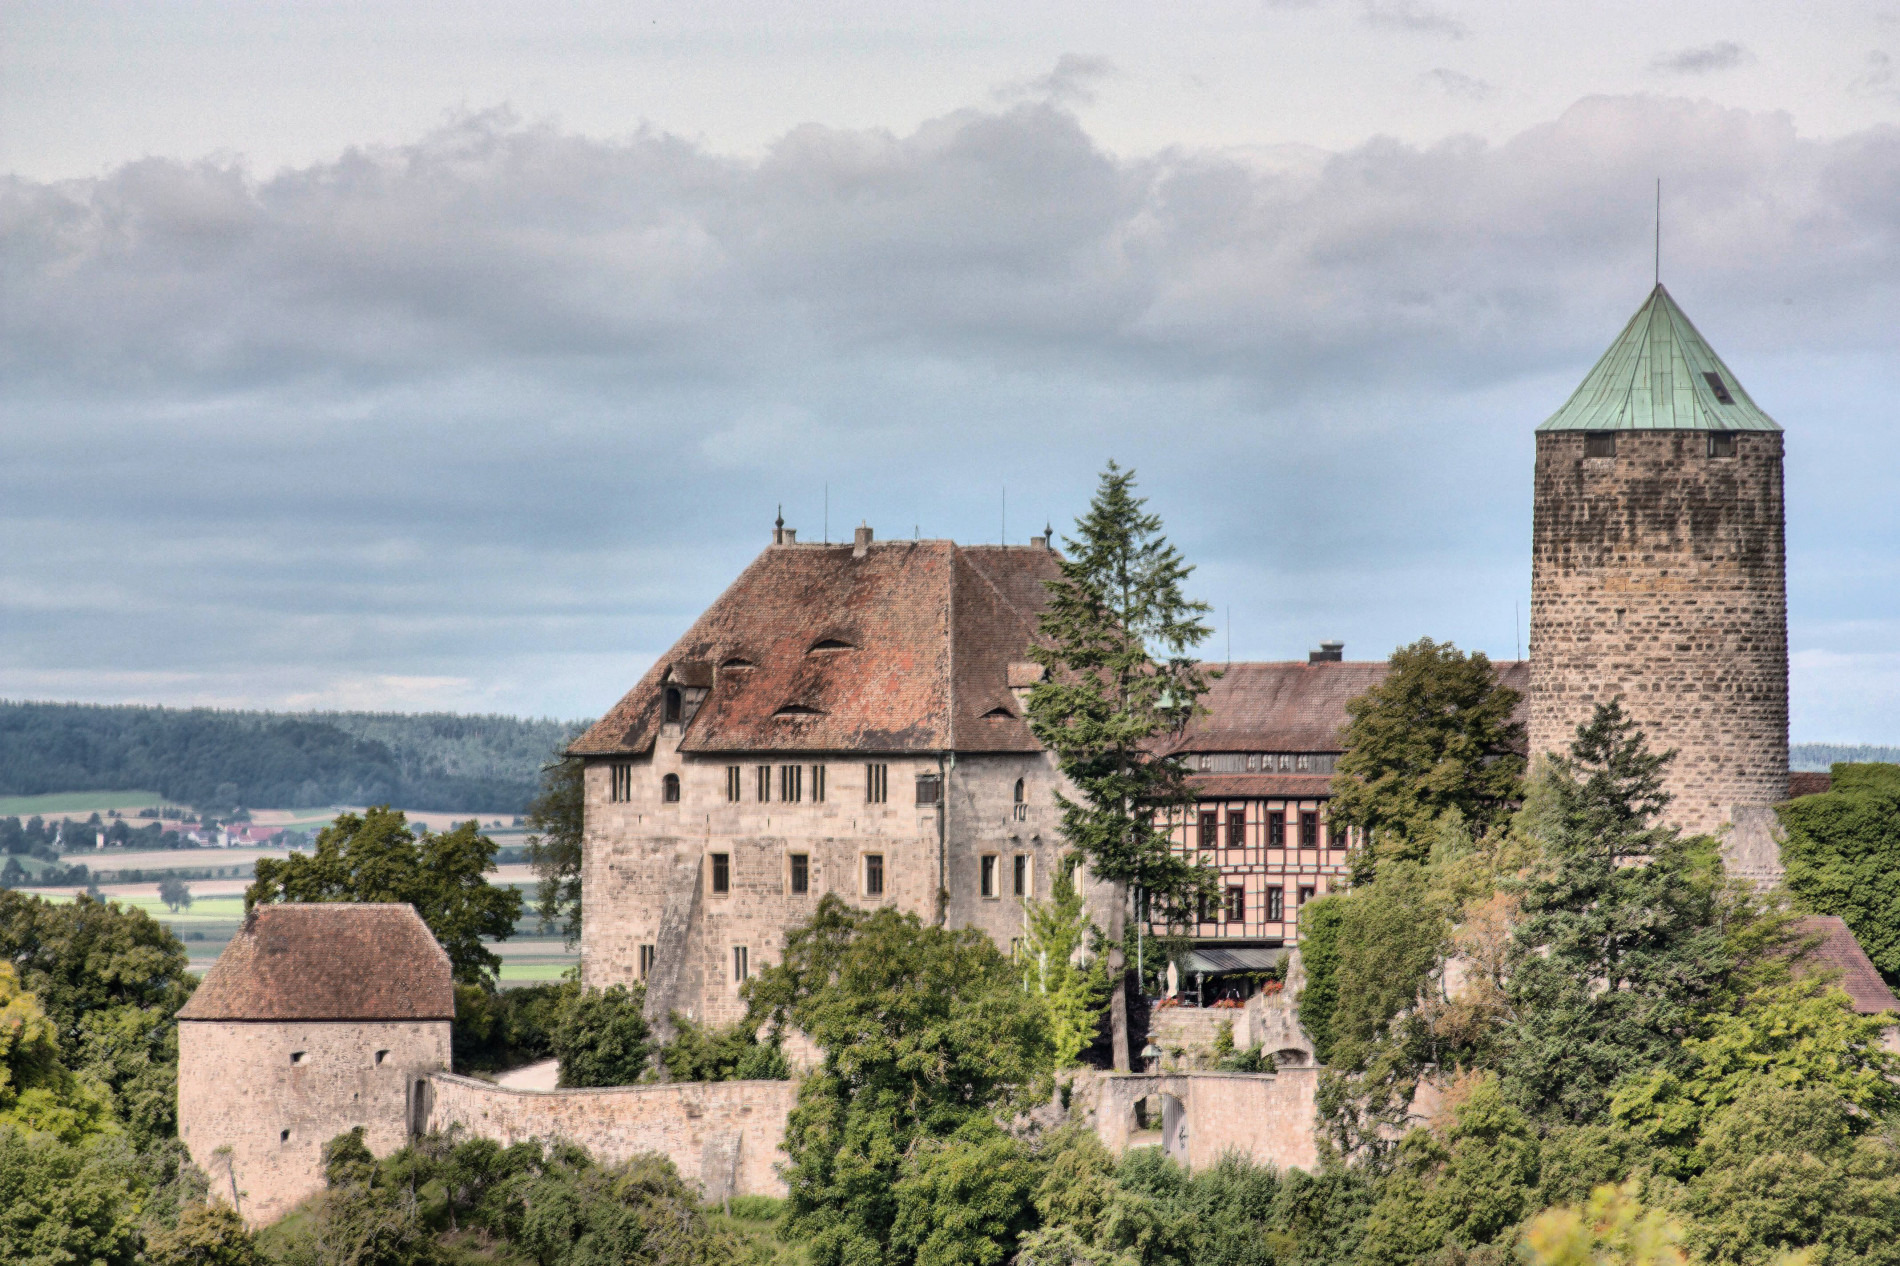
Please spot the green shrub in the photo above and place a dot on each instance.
(601, 1037)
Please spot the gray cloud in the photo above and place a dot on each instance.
(1414, 15)
(487, 417)
(1701, 60)
(1071, 83)
(1457, 84)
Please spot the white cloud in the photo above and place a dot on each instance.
(1703, 59)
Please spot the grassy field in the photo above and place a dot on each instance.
(79, 803)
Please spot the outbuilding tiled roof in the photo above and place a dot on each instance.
(1298, 707)
(898, 646)
(328, 961)
(1261, 786)
(1840, 951)
(1803, 782)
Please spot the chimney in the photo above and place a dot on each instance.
(782, 535)
(1038, 542)
(861, 541)
(1328, 653)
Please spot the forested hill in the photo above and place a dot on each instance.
(1820, 757)
(207, 757)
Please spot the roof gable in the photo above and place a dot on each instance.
(328, 961)
(1657, 376)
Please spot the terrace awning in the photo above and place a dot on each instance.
(1214, 960)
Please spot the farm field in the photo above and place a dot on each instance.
(217, 908)
(80, 804)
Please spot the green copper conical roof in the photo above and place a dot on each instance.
(1660, 375)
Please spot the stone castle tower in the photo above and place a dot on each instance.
(1659, 574)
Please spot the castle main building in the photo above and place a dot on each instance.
(1659, 575)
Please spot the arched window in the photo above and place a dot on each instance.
(672, 715)
(1021, 808)
(670, 788)
(1019, 791)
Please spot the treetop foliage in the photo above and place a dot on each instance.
(376, 857)
(1839, 853)
(1436, 735)
(555, 821)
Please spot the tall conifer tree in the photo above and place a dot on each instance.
(1115, 639)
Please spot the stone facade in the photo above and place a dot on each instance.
(655, 908)
(1266, 1117)
(258, 1100)
(722, 1136)
(1658, 576)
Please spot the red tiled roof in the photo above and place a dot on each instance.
(1805, 783)
(1840, 951)
(1298, 707)
(928, 631)
(328, 961)
(1258, 786)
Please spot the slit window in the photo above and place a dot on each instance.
(1721, 443)
(801, 874)
(721, 873)
(1599, 443)
(763, 777)
(989, 874)
(1020, 885)
(1719, 387)
(874, 874)
(817, 784)
(733, 783)
(670, 789)
(620, 776)
(791, 783)
(647, 955)
(877, 783)
(741, 964)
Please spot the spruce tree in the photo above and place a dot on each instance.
(1115, 639)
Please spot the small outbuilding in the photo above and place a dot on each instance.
(316, 1019)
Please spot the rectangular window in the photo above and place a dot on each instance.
(1599, 444)
(877, 780)
(990, 861)
(1236, 903)
(791, 783)
(622, 789)
(1276, 829)
(646, 961)
(764, 779)
(1306, 893)
(733, 783)
(1210, 829)
(817, 784)
(1204, 908)
(1309, 830)
(1236, 828)
(1338, 835)
(741, 964)
(929, 789)
(801, 874)
(1721, 443)
(721, 873)
(874, 874)
(1021, 886)
(1276, 904)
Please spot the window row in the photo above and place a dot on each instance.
(1279, 828)
(741, 963)
(1720, 443)
(1022, 878)
(798, 874)
(785, 784)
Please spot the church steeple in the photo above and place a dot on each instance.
(1660, 375)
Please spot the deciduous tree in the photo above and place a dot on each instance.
(1840, 852)
(554, 845)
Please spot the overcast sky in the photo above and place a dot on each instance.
(454, 356)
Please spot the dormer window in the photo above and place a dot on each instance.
(830, 644)
(671, 715)
(794, 711)
(1719, 387)
(737, 662)
(998, 713)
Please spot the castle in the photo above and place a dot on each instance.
(849, 719)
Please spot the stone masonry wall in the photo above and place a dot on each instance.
(1266, 1117)
(723, 1137)
(1659, 575)
(646, 873)
(275, 1093)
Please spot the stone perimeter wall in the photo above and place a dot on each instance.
(722, 1136)
(274, 1093)
(1660, 575)
(1266, 1117)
